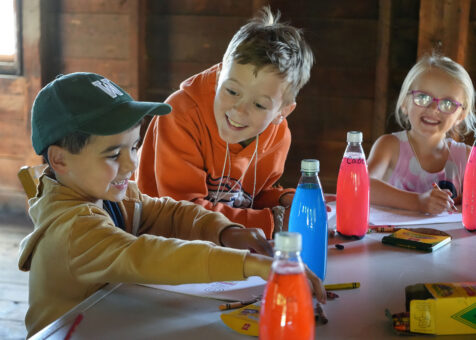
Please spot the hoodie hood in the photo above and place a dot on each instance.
(43, 209)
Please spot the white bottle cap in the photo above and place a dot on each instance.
(288, 241)
(354, 137)
(309, 165)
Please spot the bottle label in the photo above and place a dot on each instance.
(355, 161)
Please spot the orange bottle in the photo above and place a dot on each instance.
(286, 310)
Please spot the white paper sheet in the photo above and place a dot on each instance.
(389, 216)
(383, 215)
(226, 290)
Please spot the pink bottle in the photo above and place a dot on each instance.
(469, 192)
(352, 203)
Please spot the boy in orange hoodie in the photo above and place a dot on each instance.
(225, 144)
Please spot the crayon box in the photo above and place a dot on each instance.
(442, 308)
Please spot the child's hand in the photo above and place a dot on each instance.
(259, 265)
(435, 201)
(246, 238)
(286, 199)
(316, 285)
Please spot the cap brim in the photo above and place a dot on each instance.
(123, 116)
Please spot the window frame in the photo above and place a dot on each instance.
(15, 67)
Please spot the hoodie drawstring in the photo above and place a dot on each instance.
(219, 194)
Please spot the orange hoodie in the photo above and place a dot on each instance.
(183, 157)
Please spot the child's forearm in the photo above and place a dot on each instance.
(257, 265)
(382, 193)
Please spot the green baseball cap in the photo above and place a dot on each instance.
(88, 103)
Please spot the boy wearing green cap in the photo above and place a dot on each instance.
(93, 226)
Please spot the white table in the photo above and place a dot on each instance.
(138, 312)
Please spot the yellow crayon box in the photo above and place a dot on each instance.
(244, 320)
(442, 308)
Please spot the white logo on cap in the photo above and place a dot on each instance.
(107, 87)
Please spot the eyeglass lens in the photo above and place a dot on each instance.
(424, 100)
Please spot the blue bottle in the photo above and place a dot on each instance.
(309, 218)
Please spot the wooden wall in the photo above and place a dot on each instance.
(16, 96)
(363, 50)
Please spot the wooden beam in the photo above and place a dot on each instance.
(257, 5)
(444, 28)
(33, 44)
(137, 52)
(382, 68)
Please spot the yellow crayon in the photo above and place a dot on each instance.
(339, 286)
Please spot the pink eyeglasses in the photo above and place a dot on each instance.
(445, 105)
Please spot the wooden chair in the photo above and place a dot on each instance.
(29, 176)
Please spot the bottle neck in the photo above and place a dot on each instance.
(309, 177)
(355, 148)
(286, 262)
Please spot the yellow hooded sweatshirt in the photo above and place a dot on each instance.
(75, 248)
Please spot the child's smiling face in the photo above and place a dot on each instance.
(246, 103)
(429, 120)
(102, 169)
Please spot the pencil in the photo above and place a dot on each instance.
(237, 304)
(383, 228)
(452, 205)
(76, 322)
(320, 314)
(339, 286)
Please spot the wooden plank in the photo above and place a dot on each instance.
(382, 69)
(15, 138)
(328, 153)
(97, 6)
(16, 292)
(32, 70)
(444, 28)
(470, 64)
(332, 45)
(114, 69)
(166, 76)
(138, 45)
(10, 167)
(257, 5)
(11, 108)
(354, 82)
(12, 310)
(12, 85)
(12, 330)
(404, 43)
(330, 118)
(190, 38)
(405, 9)
(228, 8)
(349, 9)
(102, 36)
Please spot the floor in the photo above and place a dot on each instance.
(13, 282)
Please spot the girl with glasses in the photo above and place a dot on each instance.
(421, 168)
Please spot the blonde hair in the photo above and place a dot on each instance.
(454, 70)
(264, 41)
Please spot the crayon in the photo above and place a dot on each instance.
(238, 304)
(320, 314)
(383, 228)
(339, 286)
(76, 322)
(452, 205)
